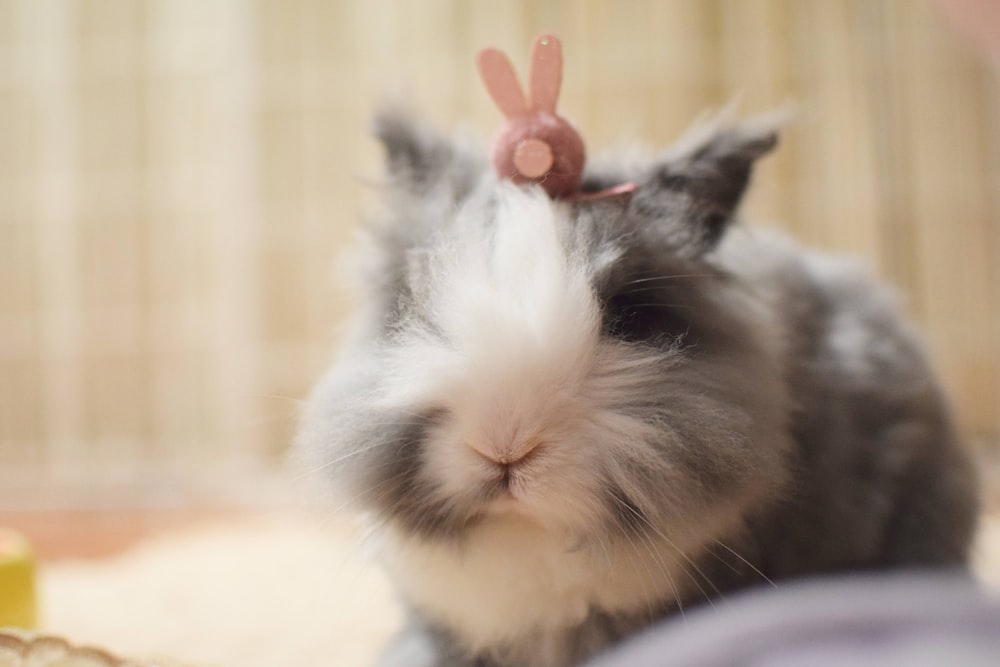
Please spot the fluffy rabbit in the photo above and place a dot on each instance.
(566, 419)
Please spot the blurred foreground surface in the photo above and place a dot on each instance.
(255, 590)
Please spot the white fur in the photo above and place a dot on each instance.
(516, 580)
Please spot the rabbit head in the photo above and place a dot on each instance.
(584, 363)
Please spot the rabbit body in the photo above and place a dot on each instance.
(565, 420)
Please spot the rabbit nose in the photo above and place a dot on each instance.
(533, 158)
(508, 455)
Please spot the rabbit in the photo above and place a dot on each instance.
(563, 419)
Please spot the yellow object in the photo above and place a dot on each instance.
(17, 581)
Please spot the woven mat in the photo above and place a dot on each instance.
(24, 649)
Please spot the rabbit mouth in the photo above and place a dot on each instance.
(507, 481)
(506, 490)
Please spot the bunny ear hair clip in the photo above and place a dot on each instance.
(536, 145)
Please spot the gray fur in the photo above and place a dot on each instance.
(838, 455)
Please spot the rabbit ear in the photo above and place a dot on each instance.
(419, 159)
(546, 73)
(693, 194)
(501, 82)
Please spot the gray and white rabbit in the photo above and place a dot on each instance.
(567, 419)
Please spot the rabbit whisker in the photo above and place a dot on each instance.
(747, 563)
(649, 548)
(669, 277)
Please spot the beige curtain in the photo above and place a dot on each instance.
(177, 177)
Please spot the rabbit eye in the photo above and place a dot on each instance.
(646, 315)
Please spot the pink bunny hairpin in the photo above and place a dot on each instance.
(536, 145)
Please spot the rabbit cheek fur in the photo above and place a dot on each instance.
(564, 420)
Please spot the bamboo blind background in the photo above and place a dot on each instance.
(176, 178)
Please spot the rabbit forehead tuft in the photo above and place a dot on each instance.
(521, 287)
(509, 298)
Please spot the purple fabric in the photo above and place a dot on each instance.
(911, 620)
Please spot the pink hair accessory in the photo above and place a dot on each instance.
(536, 145)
